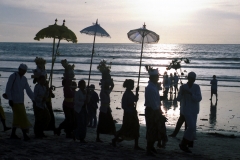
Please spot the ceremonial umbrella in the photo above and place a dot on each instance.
(95, 30)
(56, 32)
(142, 35)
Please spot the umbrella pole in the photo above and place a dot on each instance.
(140, 64)
(50, 78)
(91, 59)
(139, 70)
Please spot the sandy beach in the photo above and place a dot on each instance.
(212, 141)
(207, 146)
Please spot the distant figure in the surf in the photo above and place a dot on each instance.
(176, 79)
(214, 85)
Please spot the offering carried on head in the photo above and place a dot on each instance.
(106, 77)
(40, 70)
(69, 70)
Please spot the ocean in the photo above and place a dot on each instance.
(206, 60)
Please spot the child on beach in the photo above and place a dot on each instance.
(41, 113)
(130, 126)
(92, 107)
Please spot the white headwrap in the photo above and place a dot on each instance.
(23, 67)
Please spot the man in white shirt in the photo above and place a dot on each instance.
(190, 95)
(16, 84)
(155, 121)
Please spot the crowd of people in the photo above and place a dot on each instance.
(80, 108)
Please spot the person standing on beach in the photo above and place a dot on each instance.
(92, 107)
(68, 109)
(171, 78)
(130, 127)
(80, 110)
(189, 95)
(106, 124)
(214, 83)
(16, 84)
(166, 84)
(155, 121)
(176, 79)
(41, 113)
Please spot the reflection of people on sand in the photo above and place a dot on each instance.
(190, 96)
(213, 113)
(214, 83)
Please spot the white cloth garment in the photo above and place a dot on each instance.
(79, 100)
(105, 100)
(152, 96)
(15, 89)
(189, 103)
(40, 93)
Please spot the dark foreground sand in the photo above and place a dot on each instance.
(208, 146)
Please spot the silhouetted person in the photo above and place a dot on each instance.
(176, 79)
(155, 121)
(214, 83)
(190, 96)
(92, 107)
(16, 85)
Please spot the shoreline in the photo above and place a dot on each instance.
(207, 146)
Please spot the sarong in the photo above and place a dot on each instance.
(155, 124)
(51, 125)
(130, 126)
(20, 119)
(42, 119)
(106, 124)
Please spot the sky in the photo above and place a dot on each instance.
(176, 21)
